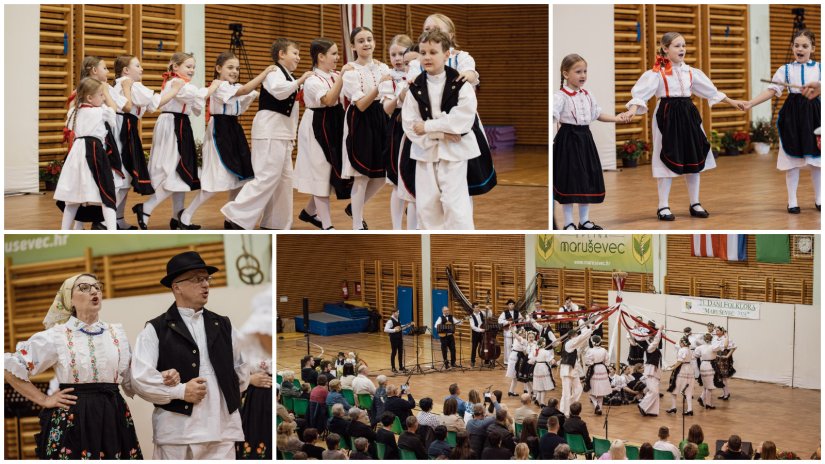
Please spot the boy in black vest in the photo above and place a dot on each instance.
(439, 120)
(274, 130)
(197, 418)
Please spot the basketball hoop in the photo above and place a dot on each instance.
(619, 281)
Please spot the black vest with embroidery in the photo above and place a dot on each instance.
(178, 350)
(449, 98)
(654, 358)
(270, 103)
(569, 357)
(396, 336)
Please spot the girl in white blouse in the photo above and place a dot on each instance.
(87, 418)
(680, 146)
(797, 119)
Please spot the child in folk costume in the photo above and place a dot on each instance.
(681, 379)
(268, 196)
(706, 354)
(320, 136)
(439, 116)
(365, 127)
(680, 146)
(577, 170)
(140, 100)
(390, 92)
(724, 360)
(596, 378)
(649, 405)
(173, 164)
(96, 68)
(86, 178)
(525, 373)
(506, 319)
(518, 357)
(797, 119)
(227, 161)
(571, 370)
(542, 358)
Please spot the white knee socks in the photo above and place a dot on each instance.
(121, 206)
(816, 179)
(396, 209)
(664, 184)
(584, 213)
(792, 182)
(69, 212)
(202, 197)
(177, 203)
(321, 206)
(412, 218)
(568, 214)
(357, 199)
(310, 207)
(692, 181)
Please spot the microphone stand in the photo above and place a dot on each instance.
(606, 415)
(684, 403)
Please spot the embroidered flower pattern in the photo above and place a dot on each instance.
(261, 450)
(91, 342)
(61, 422)
(117, 345)
(72, 360)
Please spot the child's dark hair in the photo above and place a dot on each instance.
(436, 36)
(354, 33)
(121, 63)
(223, 58)
(413, 49)
(86, 66)
(281, 45)
(566, 63)
(805, 33)
(319, 46)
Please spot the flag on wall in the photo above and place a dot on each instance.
(730, 247)
(352, 16)
(773, 248)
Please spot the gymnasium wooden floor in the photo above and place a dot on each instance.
(520, 201)
(743, 192)
(756, 412)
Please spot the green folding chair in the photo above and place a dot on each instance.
(279, 378)
(451, 438)
(287, 455)
(576, 442)
(300, 406)
(329, 411)
(288, 402)
(632, 452)
(343, 443)
(297, 384)
(518, 429)
(278, 421)
(349, 396)
(382, 449)
(407, 455)
(365, 401)
(396, 426)
(542, 432)
(663, 455)
(600, 446)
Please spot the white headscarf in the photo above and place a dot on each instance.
(61, 309)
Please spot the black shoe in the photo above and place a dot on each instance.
(525, 391)
(710, 407)
(348, 210)
(671, 411)
(512, 394)
(592, 226)
(642, 411)
(312, 219)
(818, 207)
(689, 413)
(125, 228)
(394, 371)
(665, 217)
(98, 226)
(724, 397)
(598, 411)
(794, 210)
(182, 226)
(570, 226)
(229, 225)
(138, 210)
(174, 224)
(700, 214)
(701, 403)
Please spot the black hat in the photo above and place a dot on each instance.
(184, 262)
(511, 301)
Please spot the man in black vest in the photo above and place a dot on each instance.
(393, 327)
(197, 418)
(477, 324)
(445, 326)
(508, 317)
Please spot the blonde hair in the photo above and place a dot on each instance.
(401, 39)
(617, 450)
(178, 59)
(522, 452)
(87, 86)
(449, 24)
(334, 385)
(567, 62)
(288, 375)
(667, 39)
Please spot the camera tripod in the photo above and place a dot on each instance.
(236, 46)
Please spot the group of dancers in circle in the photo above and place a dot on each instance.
(359, 132)
(680, 145)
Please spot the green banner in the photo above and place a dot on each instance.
(774, 248)
(628, 253)
(36, 248)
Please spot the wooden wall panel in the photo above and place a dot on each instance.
(631, 62)
(782, 19)
(715, 277)
(57, 69)
(727, 63)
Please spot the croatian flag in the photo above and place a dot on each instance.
(352, 16)
(730, 247)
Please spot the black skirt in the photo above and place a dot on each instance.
(577, 170)
(98, 161)
(481, 174)
(797, 120)
(684, 145)
(328, 129)
(133, 158)
(99, 426)
(112, 152)
(671, 384)
(394, 134)
(231, 145)
(366, 139)
(406, 167)
(524, 370)
(187, 167)
(256, 417)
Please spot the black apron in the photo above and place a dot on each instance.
(577, 170)
(366, 139)
(395, 132)
(684, 145)
(796, 122)
(134, 161)
(231, 145)
(188, 158)
(98, 162)
(328, 128)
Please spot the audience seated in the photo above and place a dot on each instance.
(575, 425)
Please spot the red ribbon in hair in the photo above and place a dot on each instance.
(663, 63)
(71, 98)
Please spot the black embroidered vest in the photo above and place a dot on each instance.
(270, 103)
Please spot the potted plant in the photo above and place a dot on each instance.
(734, 142)
(763, 135)
(632, 150)
(715, 143)
(50, 173)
